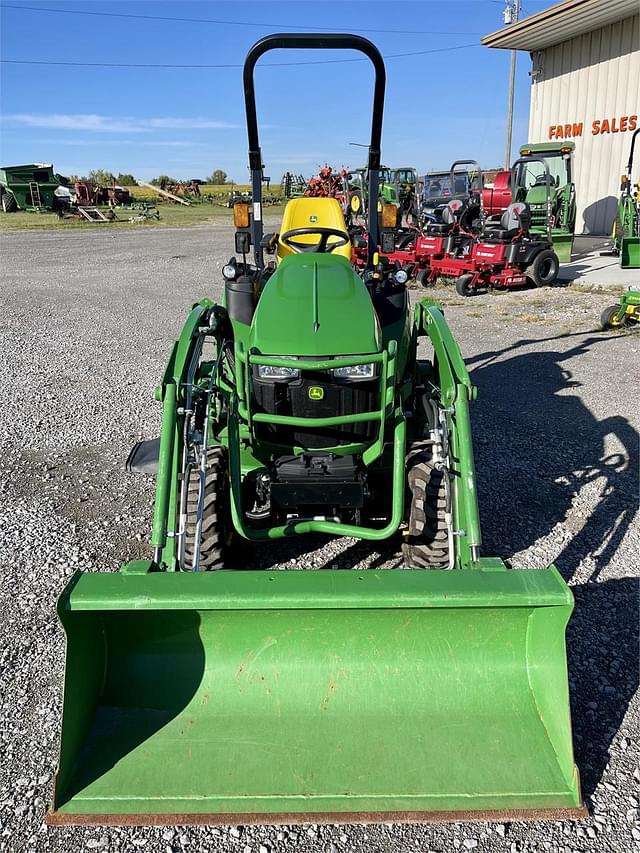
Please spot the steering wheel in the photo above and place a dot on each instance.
(321, 246)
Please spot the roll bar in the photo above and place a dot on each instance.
(452, 180)
(313, 41)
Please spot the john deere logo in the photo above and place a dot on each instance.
(316, 393)
(313, 219)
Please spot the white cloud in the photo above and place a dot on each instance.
(140, 143)
(113, 124)
(191, 124)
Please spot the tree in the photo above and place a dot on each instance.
(126, 180)
(163, 179)
(102, 177)
(217, 177)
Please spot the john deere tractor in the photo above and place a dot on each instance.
(626, 228)
(531, 186)
(311, 399)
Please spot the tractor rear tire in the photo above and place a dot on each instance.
(463, 287)
(216, 524)
(9, 203)
(544, 269)
(422, 277)
(426, 545)
(609, 318)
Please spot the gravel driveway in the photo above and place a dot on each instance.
(87, 323)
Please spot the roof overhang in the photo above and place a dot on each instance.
(560, 23)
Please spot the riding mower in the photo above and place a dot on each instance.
(625, 313)
(201, 690)
(504, 254)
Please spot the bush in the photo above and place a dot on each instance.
(217, 177)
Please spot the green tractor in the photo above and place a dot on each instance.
(626, 228)
(406, 180)
(531, 186)
(625, 313)
(312, 400)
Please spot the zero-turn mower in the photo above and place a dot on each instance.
(304, 403)
(503, 254)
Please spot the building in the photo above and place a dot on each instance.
(585, 86)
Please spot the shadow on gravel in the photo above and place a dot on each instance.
(537, 446)
(602, 647)
(283, 551)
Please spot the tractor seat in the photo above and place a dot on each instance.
(307, 212)
(515, 219)
(499, 235)
(439, 228)
(449, 218)
(544, 180)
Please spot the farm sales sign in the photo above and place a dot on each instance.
(618, 124)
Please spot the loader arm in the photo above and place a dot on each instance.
(456, 391)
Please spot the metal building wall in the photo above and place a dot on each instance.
(588, 78)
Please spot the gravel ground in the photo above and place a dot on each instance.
(86, 329)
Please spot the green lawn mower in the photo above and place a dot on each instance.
(625, 313)
(201, 690)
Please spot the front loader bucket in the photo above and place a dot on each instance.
(630, 253)
(562, 245)
(296, 696)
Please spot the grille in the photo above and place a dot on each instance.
(292, 398)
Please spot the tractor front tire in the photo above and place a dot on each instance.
(463, 286)
(426, 545)
(610, 319)
(544, 269)
(216, 524)
(422, 277)
(9, 203)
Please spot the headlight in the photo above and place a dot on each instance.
(229, 272)
(400, 277)
(266, 371)
(357, 371)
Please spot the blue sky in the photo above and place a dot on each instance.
(186, 122)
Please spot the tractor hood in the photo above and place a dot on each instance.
(315, 305)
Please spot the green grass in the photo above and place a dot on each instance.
(171, 215)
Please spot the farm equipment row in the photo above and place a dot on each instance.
(477, 251)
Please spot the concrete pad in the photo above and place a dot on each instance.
(590, 268)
